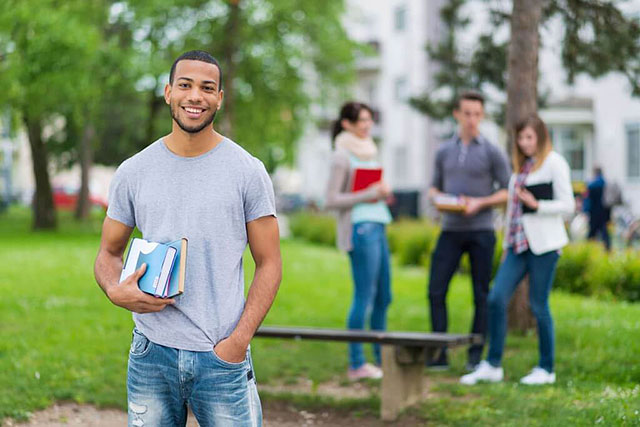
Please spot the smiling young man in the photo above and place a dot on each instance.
(193, 350)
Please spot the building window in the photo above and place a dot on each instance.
(400, 89)
(633, 150)
(570, 141)
(400, 18)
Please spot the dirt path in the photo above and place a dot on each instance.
(276, 413)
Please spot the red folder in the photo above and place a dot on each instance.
(363, 178)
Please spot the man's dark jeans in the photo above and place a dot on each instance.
(444, 262)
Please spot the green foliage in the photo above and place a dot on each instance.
(268, 50)
(315, 228)
(583, 268)
(459, 69)
(573, 270)
(413, 241)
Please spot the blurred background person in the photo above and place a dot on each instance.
(361, 229)
(540, 193)
(476, 172)
(594, 206)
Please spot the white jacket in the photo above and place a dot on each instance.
(544, 229)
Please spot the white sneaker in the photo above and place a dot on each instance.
(539, 376)
(484, 372)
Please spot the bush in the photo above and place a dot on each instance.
(413, 241)
(584, 268)
(627, 283)
(573, 272)
(314, 227)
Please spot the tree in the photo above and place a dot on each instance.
(94, 72)
(269, 51)
(46, 50)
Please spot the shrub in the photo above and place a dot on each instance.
(584, 268)
(575, 265)
(627, 285)
(314, 227)
(413, 241)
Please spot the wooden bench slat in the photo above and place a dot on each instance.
(409, 339)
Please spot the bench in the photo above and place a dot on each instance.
(403, 357)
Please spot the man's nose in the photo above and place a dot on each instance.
(194, 95)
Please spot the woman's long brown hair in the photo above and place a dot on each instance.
(543, 144)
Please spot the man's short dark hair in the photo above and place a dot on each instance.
(470, 95)
(196, 55)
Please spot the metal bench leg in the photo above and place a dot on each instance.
(402, 380)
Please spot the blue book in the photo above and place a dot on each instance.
(166, 266)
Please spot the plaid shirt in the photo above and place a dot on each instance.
(517, 239)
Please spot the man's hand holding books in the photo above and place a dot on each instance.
(128, 295)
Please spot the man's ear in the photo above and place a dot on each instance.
(221, 99)
(167, 93)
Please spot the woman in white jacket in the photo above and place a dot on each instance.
(540, 193)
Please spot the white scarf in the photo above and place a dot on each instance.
(363, 148)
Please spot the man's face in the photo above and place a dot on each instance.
(469, 116)
(195, 95)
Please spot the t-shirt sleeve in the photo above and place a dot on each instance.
(501, 169)
(436, 180)
(259, 200)
(121, 198)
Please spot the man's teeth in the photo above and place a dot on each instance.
(193, 110)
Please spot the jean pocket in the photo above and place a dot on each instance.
(140, 345)
(224, 363)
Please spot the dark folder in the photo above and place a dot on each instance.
(542, 191)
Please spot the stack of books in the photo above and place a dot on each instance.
(166, 266)
(449, 203)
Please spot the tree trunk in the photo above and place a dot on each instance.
(86, 161)
(44, 215)
(522, 100)
(228, 65)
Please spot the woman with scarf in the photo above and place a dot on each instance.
(540, 193)
(362, 217)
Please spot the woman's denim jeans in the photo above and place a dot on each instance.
(541, 269)
(372, 285)
(163, 381)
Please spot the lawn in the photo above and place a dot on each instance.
(60, 338)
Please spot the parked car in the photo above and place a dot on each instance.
(66, 199)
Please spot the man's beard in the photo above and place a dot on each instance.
(192, 129)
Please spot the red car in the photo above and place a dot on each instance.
(66, 199)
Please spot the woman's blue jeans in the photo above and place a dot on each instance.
(372, 285)
(541, 269)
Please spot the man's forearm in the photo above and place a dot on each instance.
(497, 198)
(262, 292)
(433, 192)
(107, 270)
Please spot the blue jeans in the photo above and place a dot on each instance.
(372, 285)
(541, 269)
(163, 381)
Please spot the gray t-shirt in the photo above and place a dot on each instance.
(208, 199)
(477, 170)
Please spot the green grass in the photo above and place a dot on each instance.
(60, 338)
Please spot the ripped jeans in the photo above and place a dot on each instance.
(163, 381)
